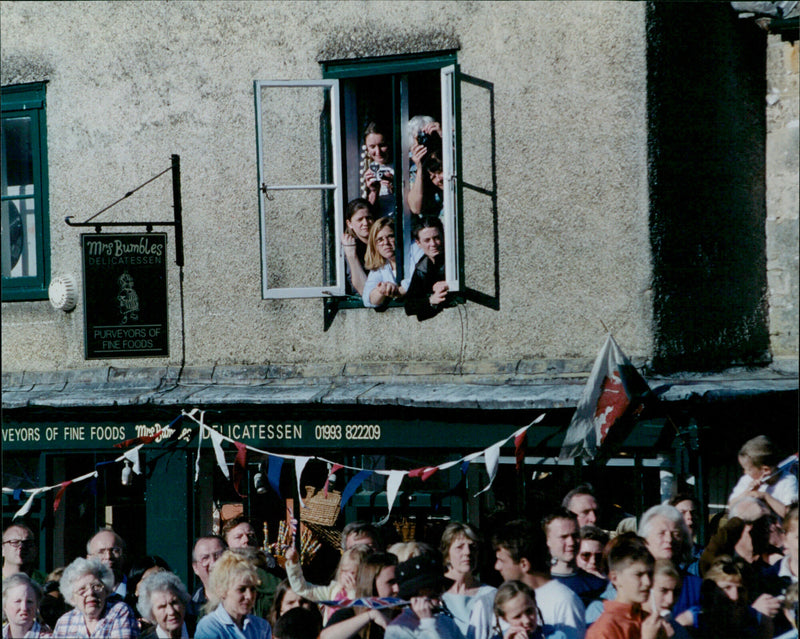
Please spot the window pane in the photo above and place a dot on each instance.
(292, 118)
(293, 239)
(477, 174)
(19, 237)
(17, 155)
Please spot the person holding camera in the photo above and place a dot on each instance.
(425, 197)
(379, 174)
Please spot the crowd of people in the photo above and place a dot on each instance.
(560, 576)
(369, 241)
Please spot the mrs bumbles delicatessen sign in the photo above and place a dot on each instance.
(125, 295)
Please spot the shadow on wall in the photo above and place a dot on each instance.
(707, 158)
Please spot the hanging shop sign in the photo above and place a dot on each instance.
(125, 295)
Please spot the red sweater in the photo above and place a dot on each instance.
(618, 621)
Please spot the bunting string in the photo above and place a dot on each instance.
(394, 478)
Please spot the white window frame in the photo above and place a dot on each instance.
(449, 76)
(451, 177)
(338, 289)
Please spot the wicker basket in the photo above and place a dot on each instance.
(319, 509)
(331, 536)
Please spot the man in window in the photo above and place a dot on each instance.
(427, 289)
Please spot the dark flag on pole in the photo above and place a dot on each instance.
(615, 393)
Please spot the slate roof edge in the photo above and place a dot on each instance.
(493, 387)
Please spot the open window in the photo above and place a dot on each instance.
(312, 160)
(300, 185)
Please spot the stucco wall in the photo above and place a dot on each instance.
(783, 194)
(132, 82)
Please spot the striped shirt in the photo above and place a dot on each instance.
(117, 622)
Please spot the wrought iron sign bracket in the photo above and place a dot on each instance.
(175, 168)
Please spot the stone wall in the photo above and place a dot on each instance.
(783, 201)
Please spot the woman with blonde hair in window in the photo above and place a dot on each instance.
(382, 284)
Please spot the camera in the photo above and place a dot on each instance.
(379, 172)
(423, 138)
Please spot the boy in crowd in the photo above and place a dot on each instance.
(631, 571)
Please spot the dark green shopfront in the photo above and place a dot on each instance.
(55, 434)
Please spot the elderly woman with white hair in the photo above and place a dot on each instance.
(162, 601)
(667, 537)
(86, 584)
(21, 599)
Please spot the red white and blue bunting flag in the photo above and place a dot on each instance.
(393, 482)
(216, 442)
(331, 472)
(274, 473)
(299, 465)
(375, 603)
(60, 494)
(520, 446)
(354, 484)
(133, 457)
(239, 466)
(395, 478)
(199, 443)
(424, 472)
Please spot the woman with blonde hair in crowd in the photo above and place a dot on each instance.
(344, 584)
(515, 608)
(664, 592)
(376, 578)
(470, 602)
(21, 599)
(232, 587)
(725, 610)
